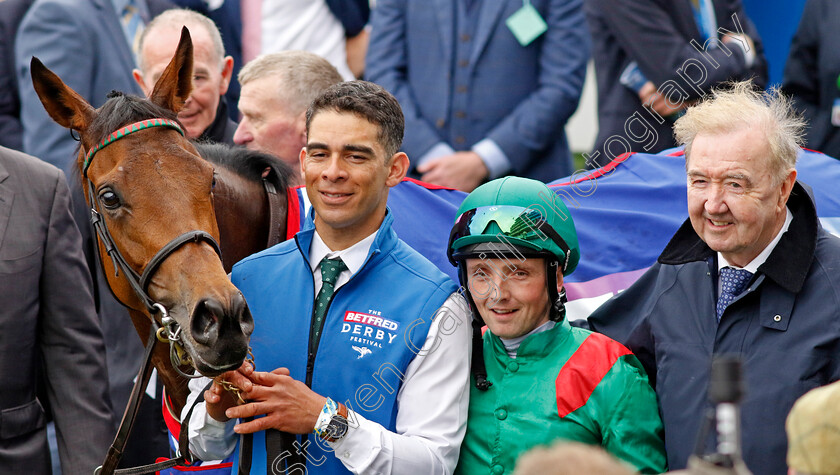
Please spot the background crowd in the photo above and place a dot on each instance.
(486, 89)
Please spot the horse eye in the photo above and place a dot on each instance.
(109, 199)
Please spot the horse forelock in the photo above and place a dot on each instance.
(121, 110)
(248, 164)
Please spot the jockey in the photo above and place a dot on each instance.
(513, 242)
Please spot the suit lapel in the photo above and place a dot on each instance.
(487, 19)
(445, 10)
(7, 196)
(114, 29)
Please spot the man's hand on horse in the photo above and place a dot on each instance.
(219, 397)
(287, 404)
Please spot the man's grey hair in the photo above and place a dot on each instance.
(300, 76)
(180, 17)
(737, 106)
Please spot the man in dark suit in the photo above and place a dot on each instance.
(811, 72)
(653, 57)
(11, 132)
(48, 327)
(84, 42)
(487, 87)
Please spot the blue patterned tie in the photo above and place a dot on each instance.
(704, 16)
(132, 25)
(330, 269)
(732, 283)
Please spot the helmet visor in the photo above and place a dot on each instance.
(525, 224)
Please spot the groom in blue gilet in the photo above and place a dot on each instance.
(361, 345)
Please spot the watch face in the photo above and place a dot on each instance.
(337, 428)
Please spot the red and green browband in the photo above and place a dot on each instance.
(129, 129)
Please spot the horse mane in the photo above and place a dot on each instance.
(122, 109)
(249, 164)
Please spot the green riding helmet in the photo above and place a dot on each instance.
(515, 216)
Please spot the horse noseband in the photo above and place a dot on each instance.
(172, 246)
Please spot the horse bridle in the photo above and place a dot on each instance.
(169, 331)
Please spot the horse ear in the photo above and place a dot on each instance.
(62, 103)
(175, 84)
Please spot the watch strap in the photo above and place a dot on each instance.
(330, 410)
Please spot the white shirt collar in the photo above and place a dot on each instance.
(353, 257)
(753, 266)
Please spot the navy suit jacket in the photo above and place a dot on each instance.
(519, 97)
(656, 34)
(83, 42)
(811, 73)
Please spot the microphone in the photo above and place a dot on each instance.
(726, 389)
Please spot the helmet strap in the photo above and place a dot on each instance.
(557, 310)
(559, 306)
(479, 370)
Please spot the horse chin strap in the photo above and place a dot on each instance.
(112, 459)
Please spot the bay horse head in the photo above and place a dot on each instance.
(151, 200)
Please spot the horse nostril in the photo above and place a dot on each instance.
(204, 323)
(212, 322)
(241, 314)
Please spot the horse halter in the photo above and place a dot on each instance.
(140, 282)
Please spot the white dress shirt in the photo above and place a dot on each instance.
(353, 257)
(307, 25)
(432, 402)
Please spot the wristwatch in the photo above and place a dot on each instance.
(332, 423)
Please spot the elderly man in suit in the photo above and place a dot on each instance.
(487, 87)
(48, 327)
(87, 44)
(205, 114)
(276, 90)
